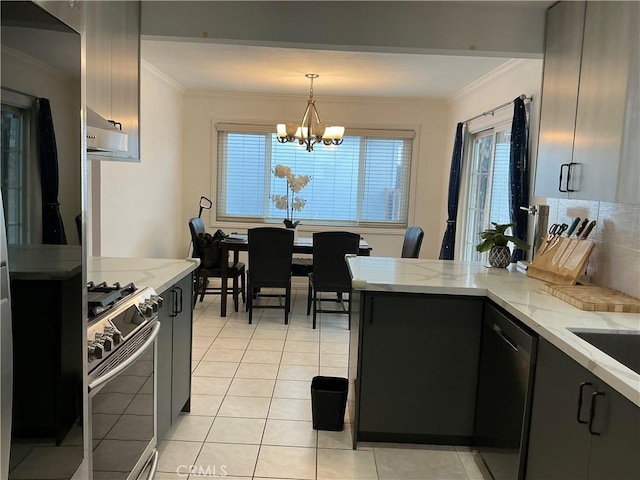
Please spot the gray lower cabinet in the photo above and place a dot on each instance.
(174, 354)
(580, 427)
(417, 368)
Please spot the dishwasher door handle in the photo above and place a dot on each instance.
(505, 337)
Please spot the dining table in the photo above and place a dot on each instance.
(237, 243)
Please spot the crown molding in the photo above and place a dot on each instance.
(18, 55)
(321, 99)
(162, 76)
(505, 70)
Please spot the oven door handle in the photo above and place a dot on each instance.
(129, 361)
(153, 461)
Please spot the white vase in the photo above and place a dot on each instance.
(295, 233)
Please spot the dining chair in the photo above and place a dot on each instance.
(270, 253)
(204, 272)
(330, 271)
(412, 242)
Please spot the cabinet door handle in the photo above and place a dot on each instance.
(370, 310)
(174, 303)
(560, 180)
(592, 413)
(580, 392)
(569, 167)
(504, 337)
(569, 170)
(180, 302)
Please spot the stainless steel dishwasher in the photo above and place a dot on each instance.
(505, 379)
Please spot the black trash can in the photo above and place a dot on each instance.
(328, 402)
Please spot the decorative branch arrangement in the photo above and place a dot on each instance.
(290, 202)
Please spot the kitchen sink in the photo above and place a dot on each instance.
(623, 345)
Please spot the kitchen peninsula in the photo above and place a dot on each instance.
(415, 347)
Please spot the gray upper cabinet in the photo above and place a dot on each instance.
(113, 67)
(560, 81)
(588, 144)
(605, 107)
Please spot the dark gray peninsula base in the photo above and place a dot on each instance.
(414, 362)
(454, 353)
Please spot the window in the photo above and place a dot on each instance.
(487, 192)
(15, 127)
(365, 180)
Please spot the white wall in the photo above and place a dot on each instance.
(203, 110)
(141, 203)
(501, 86)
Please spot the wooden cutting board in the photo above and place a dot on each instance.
(594, 299)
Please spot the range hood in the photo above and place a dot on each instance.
(104, 136)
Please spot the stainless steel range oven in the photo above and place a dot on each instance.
(122, 380)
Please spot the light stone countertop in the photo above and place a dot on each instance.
(518, 294)
(44, 262)
(157, 273)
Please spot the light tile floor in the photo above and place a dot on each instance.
(251, 407)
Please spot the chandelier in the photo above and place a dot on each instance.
(310, 131)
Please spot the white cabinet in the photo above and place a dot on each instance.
(588, 144)
(113, 67)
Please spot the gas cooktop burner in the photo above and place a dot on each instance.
(103, 297)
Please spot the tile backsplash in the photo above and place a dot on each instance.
(615, 262)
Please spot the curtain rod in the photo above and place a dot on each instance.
(19, 92)
(492, 111)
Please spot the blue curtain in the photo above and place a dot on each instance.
(52, 226)
(519, 174)
(449, 240)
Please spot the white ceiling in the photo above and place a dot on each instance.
(271, 70)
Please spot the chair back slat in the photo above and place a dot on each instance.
(330, 271)
(270, 253)
(196, 227)
(412, 242)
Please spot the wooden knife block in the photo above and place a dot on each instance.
(562, 263)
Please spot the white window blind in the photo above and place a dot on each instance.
(365, 180)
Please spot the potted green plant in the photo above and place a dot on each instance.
(495, 241)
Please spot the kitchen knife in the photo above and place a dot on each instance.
(573, 226)
(586, 233)
(583, 225)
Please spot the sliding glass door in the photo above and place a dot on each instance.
(486, 185)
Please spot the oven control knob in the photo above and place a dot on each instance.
(114, 334)
(148, 310)
(145, 309)
(153, 304)
(104, 340)
(95, 350)
(157, 299)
